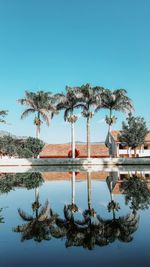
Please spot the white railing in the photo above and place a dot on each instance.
(144, 153)
(141, 153)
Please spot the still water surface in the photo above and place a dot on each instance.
(74, 219)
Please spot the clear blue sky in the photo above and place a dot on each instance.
(48, 44)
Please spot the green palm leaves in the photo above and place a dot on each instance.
(36, 228)
(3, 114)
(68, 103)
(87, 98)
(90, 98)
(42, 105)
(116, 100)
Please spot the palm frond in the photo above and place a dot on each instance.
(24, 215)
(116, 100)
(46, 116)
(67, 113)
(20, 228)
(3, 113)
(27, 102)
(83, 106)
(27, 112)
(44, 212)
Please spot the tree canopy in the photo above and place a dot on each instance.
(133, 132)
(24, 148)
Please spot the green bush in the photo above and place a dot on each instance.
(25, 148)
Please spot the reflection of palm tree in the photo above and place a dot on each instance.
(111, 181)
(94, 230)
(86, 232)
(120, 228)
(90, 213)
(71, 209)
(38, 226)
(69, 226)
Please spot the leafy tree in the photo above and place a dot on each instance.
(133, 132)
(34, 145)
(23, 152)
(8, 145)
(27, 148)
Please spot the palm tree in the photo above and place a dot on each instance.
(3, 113)
(114, 100)
(42, 104)
(68, 103)
(122, 227)
(70, 227)
(91, 97)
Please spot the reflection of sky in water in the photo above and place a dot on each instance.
(53, 253)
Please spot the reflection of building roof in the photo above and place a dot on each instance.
(116, 189)
(115, 134)
(51, 176)
(61, 150)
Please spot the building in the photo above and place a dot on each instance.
(119, 151)
(62, 150)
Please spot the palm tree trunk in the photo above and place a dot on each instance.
(37, 199)
(37, 132)
(89, 189)
(38, 127)
(109, 135)
(88, 138)
(73, 187)
(73, 140)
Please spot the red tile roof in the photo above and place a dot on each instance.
(61, 150)
(115, 135)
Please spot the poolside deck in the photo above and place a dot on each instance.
(74, 162)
